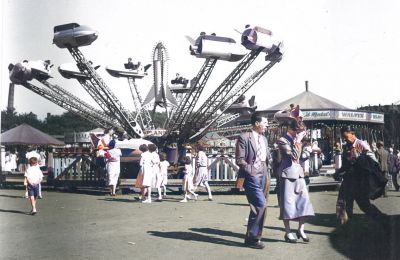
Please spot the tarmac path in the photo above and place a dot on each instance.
(90, 226)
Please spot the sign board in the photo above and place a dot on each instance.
(317, 114)
(352, 116)
(377, 118)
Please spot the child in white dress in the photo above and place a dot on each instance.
(147, 170)
(187, 185)
(164, 164)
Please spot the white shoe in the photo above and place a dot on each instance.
(196, 196)
(159, 198)
(184, 200)
(146, 201)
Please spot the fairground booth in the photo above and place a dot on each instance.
(324, 118)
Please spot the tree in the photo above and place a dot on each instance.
(53, 124)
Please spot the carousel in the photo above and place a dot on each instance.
(324, 119)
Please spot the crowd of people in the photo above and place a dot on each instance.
(153, 173)
(363, 171)
(17, 160)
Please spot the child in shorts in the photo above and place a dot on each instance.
(33, 177)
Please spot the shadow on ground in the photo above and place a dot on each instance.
(14, 211)
(362, 238)
(192, 236)
(208, 235)
(234, 204)
(12, 196)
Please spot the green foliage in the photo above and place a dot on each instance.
(159, 119)
(53, 124)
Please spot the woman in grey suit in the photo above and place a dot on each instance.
(295, 202)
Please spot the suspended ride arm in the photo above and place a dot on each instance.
(70, 105)
(142, 113)
(189, 101)
(62, 92)
(223, 120)
(214, 102)
(109, 100)
(228, 100)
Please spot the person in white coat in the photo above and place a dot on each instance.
(13, 156)
(147, 171)
(164, 164)
(113, 156)
(201, 175)
(155, 163)
(7, 162)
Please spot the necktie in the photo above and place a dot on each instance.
(257, 162)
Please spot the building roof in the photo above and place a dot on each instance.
(27, 135)
(308, 100)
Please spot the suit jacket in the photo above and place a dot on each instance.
(383, 156)
(246, 150)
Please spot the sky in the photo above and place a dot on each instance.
(347, 50)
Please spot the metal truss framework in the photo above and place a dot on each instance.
(109, 100)
(231, 98)
(189, 101)
(70, 105)
(142, 113)
(216, 100)
(69, 96)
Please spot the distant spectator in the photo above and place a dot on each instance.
(393, 164)
(382, 155)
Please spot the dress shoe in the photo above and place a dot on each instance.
(305, 239)
(290, 240)
(256, 244)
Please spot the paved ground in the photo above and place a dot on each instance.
(83, 226)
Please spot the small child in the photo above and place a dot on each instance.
(33, 177)
(164, 164)
(187, 184)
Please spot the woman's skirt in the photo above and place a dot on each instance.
(294, 200)
(113, 171)
(201, 176)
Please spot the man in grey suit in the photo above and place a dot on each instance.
(383, 156)
(252, 158)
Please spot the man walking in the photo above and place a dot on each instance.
(383, 156)
(353, 188)
(251, 157)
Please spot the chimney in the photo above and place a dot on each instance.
(10, 106)
(306, 85)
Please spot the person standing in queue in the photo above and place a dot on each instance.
(251, 157)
